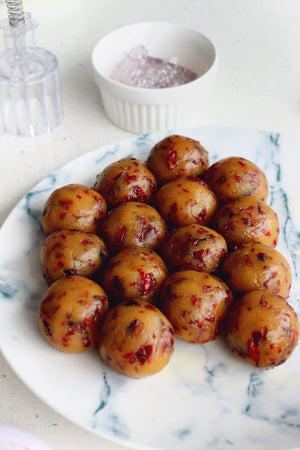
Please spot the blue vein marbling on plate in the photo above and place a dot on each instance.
(204, 398)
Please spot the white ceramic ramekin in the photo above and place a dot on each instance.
(141, 110)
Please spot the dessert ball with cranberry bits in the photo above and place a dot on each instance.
(193, 247)
(68, 252)
(73, 207)
(257, 266)
(131, 224)
(247, 220)
(234, 177)
(134, 273)
(126, 180)
(185, 201)
(136, 339)
(177, 156)
(71, 314)
(196, 303)
(262, 329)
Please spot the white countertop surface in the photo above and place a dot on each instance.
(257, 87)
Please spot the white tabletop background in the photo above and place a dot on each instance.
(258, 86)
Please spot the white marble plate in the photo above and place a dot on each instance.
(204, 398)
